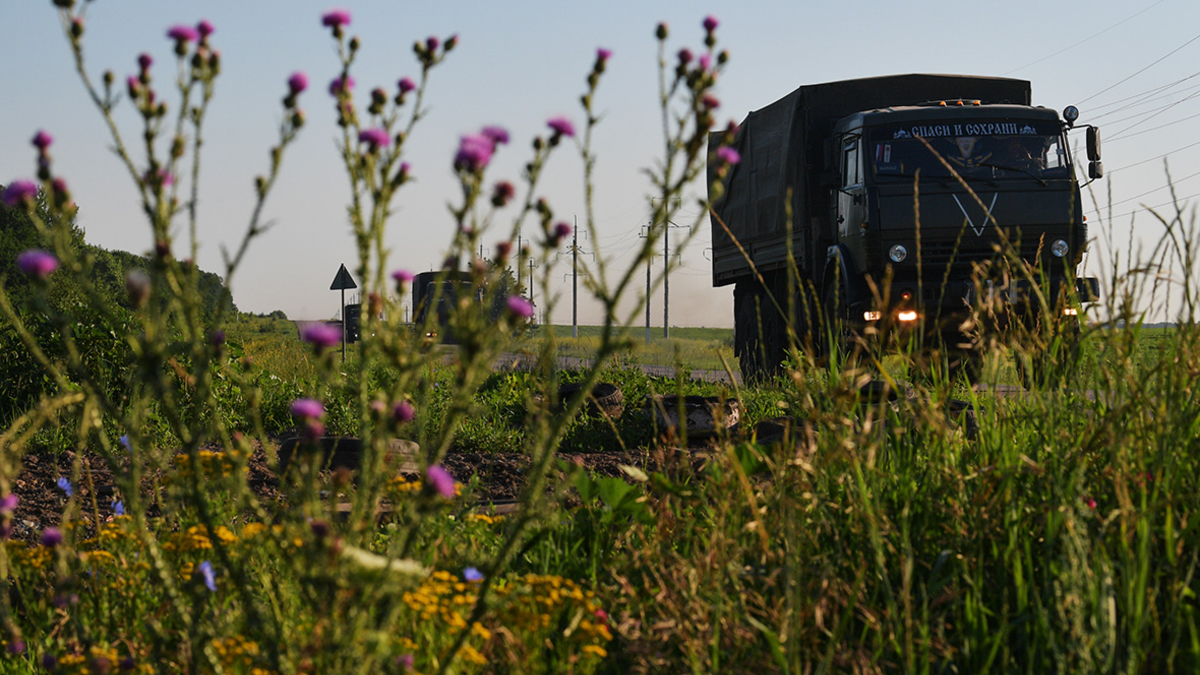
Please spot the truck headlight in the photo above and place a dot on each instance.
(1059, 248)
(897, 253)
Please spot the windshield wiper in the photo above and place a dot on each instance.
(1004, 167)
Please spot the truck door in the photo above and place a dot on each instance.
(851, 203)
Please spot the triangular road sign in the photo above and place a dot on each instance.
(342, 281)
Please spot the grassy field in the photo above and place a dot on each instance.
(886, 518)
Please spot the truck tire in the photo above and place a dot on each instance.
(757, 331)
(837, 334)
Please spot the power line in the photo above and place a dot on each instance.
(1174, 181)
(1145, 97)
(1161, 108)
(1086, 39)
(1162, 156)
(1119, 137)
(1179, 201)
(1156, 62)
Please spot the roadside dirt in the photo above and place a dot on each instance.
(41, 499)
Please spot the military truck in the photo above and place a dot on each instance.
(881, 202)
(434, 297)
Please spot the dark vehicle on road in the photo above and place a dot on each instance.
(884, 204)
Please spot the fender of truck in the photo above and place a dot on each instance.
(836, 264)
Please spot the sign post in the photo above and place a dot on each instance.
(341, 282)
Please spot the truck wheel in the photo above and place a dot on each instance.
(751, 329)
(806, 322)
(1054, 365)
(838, 334)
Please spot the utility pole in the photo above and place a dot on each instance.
(667, 277)
(667, 225)
(575, 279)
(519, 269)
(575, 251)
(649, 258)
(531, 266)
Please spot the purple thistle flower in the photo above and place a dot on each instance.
(8, 503)
(685, 56)
(205, 28)
(710, 102)
(710, 23)
(42, 140)
(51, 537)
(205, 570)
(18, 191)
(376, 138)
(163, 176)
(561, 126)
(335, 18)
(17, 646)
(145, 60)
(498, 135)
(561, 231)
(183, 33)
(37, 263)
(472, 575)
(339, 85)
(402, 276)
(502, 193)
(728, 155)
(432, 43)
(441, 480)
(405, 661)
(519, 307)
(321, 335)
(298, 82)
(403, 412)
(603, 54)
(65, 486)
(474, 153)
(705, 62)
(406, 85)
(307, 409)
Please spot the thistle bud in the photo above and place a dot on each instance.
(137, 287)
(661, 31)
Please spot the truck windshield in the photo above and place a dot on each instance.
(976, 149)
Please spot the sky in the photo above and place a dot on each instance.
(1130, 67)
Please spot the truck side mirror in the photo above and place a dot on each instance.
(1095, 169)
(1093, 143)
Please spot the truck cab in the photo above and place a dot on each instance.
(934, 196)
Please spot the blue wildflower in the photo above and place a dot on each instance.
(472, 574)
(125, 442)
(206, 572)
(65, 486)
(119, 507)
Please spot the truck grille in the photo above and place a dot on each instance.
(936, 256)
